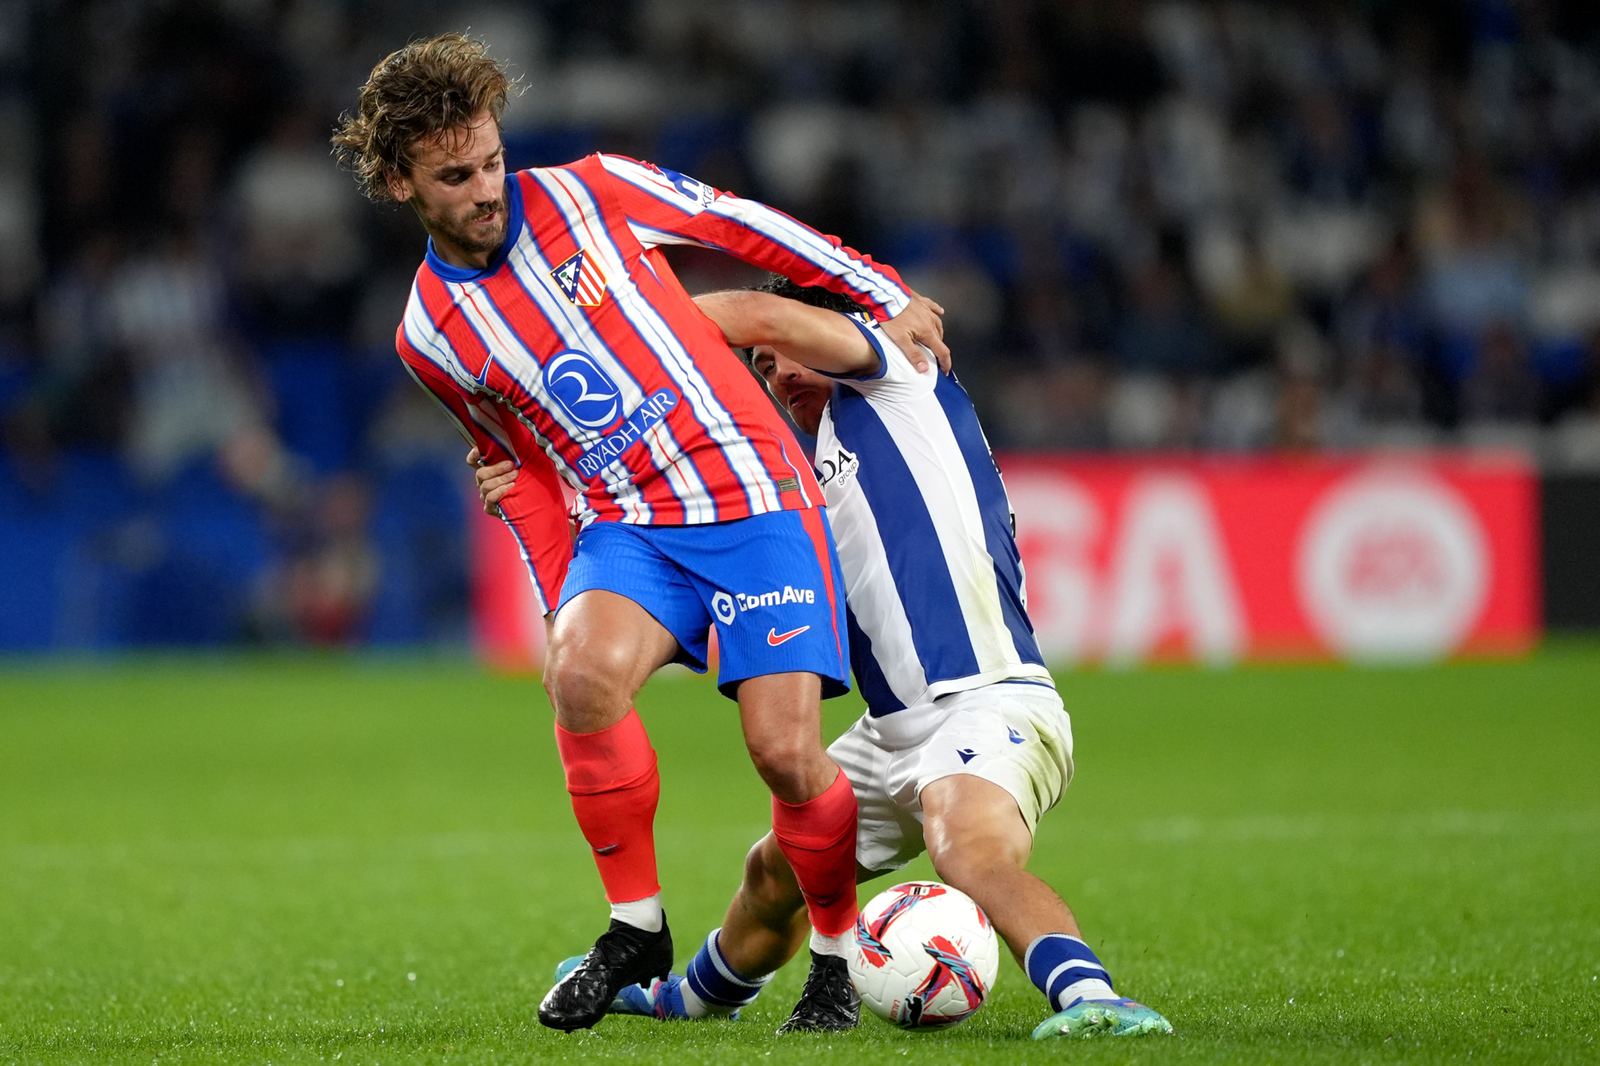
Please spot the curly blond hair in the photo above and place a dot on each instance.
(420, 92)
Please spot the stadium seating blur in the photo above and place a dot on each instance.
(1155, 225)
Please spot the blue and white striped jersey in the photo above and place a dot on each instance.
(925, 537)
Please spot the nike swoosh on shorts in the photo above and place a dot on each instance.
(775, 638)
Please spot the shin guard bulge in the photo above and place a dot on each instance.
(818, 837)
(612, 778)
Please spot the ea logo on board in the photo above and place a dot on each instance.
(1393, 566)
(584, 391)
(722, 604)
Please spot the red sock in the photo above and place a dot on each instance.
(818, 837)
(611, 775)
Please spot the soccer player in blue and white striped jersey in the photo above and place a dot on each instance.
(965, 742)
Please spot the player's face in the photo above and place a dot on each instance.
(457, 186)
(802, 391)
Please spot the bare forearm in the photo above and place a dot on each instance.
(820, 339)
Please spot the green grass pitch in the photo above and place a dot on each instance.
(259, 860)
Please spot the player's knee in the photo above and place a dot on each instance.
(963, 870)
(794, 767)
(584, 687)
(970, 859)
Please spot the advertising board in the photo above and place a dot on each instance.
(1219, 559)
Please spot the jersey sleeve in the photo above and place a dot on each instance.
(665, 207)
(896, 379)
(535, 509)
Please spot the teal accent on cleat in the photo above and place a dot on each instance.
(1102, 1017)
(624, 955)
(660, 999)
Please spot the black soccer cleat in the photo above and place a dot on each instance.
(624, 955)
(829, 1003)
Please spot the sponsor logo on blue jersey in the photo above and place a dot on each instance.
(727, 606)
(837, 469)
(776, 598)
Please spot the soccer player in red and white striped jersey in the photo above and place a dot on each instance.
(545, 320)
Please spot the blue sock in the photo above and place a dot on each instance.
(712, 981)
(1065, 970)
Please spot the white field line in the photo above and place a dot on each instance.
(1184, 829)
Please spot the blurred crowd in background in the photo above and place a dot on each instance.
(1154, 225)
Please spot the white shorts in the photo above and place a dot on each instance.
(1013, 733)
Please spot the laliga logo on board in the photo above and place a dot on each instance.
(1393, 565)
(1380, 563)
(1124, 590)
(585, 392)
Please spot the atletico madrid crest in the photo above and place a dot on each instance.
(581, 280)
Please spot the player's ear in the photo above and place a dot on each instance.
(400, 186)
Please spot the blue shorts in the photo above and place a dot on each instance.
(770, 584)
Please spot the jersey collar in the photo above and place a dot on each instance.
(447, 272)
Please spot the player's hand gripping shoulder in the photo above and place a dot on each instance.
(920, 324)
(812, 336)
(494, 481)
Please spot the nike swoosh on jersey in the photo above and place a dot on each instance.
(775, 638)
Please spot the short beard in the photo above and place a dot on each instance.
(457, 235)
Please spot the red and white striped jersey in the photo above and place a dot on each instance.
(577, 352)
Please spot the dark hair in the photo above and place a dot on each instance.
(815, 295)
(420, 92)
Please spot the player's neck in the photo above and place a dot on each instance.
(455, 255)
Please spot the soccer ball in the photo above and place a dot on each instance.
(926, 955)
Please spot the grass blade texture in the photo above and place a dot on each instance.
(249, 860)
